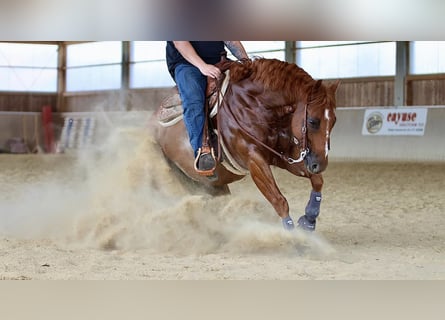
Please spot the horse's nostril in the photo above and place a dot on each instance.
(315, 167)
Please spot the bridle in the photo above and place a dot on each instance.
(304, 150)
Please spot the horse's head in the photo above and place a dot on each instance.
(312, 123)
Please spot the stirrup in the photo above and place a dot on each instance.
(201, 151)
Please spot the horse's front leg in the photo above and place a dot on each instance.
(262, 176)
(308, 220)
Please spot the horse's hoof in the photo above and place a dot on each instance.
(288, 223)
(305, 224)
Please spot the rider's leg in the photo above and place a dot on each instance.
(191, 85)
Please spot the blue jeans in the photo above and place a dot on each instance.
(192, 85)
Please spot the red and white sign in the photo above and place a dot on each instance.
(396, 121)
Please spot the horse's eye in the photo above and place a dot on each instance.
(314, 123)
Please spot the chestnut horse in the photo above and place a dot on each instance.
(272, 113)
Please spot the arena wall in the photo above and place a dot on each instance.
(347, 141)
(22, 125)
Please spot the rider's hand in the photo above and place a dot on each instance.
(210, 70)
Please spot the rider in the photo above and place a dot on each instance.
(190, 63)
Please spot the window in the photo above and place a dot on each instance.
(147, 65)
(427, 57)
(28, 67)
(347, 59)
(94, 66)
(265, 49)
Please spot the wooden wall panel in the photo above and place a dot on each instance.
(135, 100)
(365, 92)
(425, 92)
(94, 101)
(27, 102)
(146, 99)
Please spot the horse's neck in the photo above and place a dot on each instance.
(282, 97)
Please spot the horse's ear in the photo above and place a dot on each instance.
(334, 86)
(314, 89)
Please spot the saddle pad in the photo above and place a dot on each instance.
(171, 110)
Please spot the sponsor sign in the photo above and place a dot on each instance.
(396, 121)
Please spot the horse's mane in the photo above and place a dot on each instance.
(274, 75)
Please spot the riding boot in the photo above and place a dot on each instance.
(205, 162)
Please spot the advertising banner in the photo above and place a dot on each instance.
(395, 121)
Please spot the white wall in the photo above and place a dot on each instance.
(348, 143)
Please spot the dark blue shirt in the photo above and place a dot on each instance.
(209, 51)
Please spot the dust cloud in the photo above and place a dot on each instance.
(122, 195)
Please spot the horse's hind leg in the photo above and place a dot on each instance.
(312, 210)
